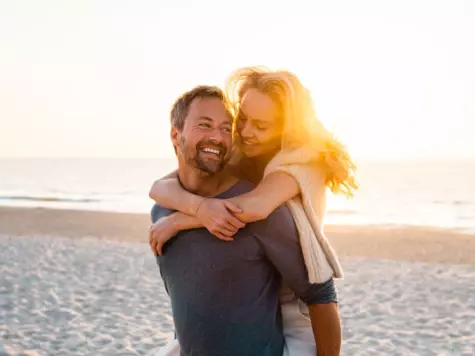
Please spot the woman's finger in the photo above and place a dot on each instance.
(223, 237)
(234, 222)
(232, 207)
(224, 228)
(154, 247)
(150, 240)
(229, 223)
(228, 230)
(159, 250)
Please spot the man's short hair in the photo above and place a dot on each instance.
(182, 105)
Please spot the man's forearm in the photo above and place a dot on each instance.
(326, 327)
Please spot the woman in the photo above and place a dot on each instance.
(279, 143)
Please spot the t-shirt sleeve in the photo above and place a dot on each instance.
(279, 237)
(159, 212)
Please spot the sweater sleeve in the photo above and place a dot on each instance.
(308, 212)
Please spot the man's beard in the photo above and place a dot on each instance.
(195, 157)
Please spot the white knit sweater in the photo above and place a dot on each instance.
(308, 211)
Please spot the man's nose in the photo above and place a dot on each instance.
(216, 136)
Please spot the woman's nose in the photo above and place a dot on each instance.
(246, 130)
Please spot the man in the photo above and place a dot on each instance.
(224, 296)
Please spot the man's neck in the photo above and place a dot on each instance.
(254, 167)
(204, 184)
(263, 161)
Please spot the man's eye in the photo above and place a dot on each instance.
(261, 128)
(206, 126)
(227, 129)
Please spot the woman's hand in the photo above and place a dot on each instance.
(160, 232)
(217, 216)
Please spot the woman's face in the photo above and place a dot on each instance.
(259, 126)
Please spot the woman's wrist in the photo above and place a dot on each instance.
(175, 223)
(200, 203)
(192, 203)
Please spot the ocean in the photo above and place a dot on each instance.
(392, 193)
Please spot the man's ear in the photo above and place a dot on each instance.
(175, 137)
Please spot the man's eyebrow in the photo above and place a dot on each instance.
(207, 118)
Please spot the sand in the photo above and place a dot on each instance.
(81, 283)
(401, 243)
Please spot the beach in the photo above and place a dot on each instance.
(408, 243)
(86, 283)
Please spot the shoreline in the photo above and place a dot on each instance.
(405, 243)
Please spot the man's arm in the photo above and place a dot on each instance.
(326, 327)
(279, 237)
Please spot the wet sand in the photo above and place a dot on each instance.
(423, 244)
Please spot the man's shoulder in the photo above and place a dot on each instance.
(282, 213)
(242, 186)
(281, 222)
(158, 212)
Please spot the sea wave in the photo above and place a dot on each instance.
(454, 202)
(48, 199)
(342, 212)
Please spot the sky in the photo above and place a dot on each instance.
(97, 78)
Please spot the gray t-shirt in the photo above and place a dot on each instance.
(224, 295)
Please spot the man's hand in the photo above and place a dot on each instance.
(217, 216)
(326, 327)
(160, 232)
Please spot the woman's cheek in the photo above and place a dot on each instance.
(264, 138)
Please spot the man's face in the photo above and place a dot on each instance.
(206, 139)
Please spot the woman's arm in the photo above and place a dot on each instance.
(167, 227)
(168, 192)
(273, 191)
(221, 217)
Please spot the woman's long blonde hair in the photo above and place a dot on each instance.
(301, 125)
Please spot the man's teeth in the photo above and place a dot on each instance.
(210, 150)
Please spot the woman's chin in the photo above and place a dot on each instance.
(258, 151)
(250, 151)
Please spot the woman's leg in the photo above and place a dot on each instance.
(298, 333)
